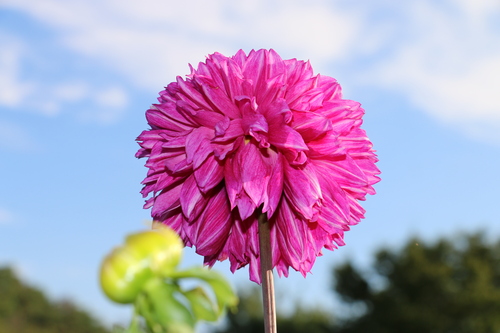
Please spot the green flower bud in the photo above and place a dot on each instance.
(144, 255)
(163, 246)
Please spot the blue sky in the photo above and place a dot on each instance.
(77, 76)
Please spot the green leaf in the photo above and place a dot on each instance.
(203, 307)
(135, 325)
(222, 289)
(163, 312)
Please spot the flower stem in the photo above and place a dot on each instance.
(266, 272)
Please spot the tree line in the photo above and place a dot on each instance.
(449, 286)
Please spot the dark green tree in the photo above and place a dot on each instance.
(24, 309)
(451, 286)
(248, 318)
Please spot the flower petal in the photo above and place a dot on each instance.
(166, 202)
(310, 125)
(293, 238)
(218, 97)
(191, 199)
(213, 225)
(209, 174)
(302, 189)
(275, 184)
(254, 172)
(198, 146)
(253, 131)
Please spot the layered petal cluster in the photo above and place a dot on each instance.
(255, 132)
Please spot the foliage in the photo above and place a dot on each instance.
(24, 309)
(450, 286)
(248, 318)
(144, 272)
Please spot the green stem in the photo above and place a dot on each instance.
(266, 269)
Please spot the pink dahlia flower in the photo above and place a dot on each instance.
(252, 132)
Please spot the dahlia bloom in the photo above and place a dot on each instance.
(253, 133)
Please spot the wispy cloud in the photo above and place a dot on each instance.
(111, 103)
(152, 41)
(13, 89)
(449, 64)
(443, 56)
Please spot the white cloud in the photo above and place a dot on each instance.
(450, 64)
(111, 102)
(12, 88)
(71, 91)
(21, 90)
(112, 97)
(152, 41)
(444, 56)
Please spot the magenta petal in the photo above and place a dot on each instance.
(293, 237)
(347, 173)
(286, 137)
(209, 174)
(310, 125)
(254, 173)
(228, 132)
(233, 181)
(331, 89)
(191, 199)
(166, 202)
(189, 92)
(198, 146)
(166, 181)
(255, 131)
(297, 71)
(218, 98)
(207, 118)
(246, 206)
(328, 146)
(302, 189)
(175, 222)
(213, 225)
(254, 270)
(254, 68)
(275, 184)
(236, 245)
(158, 119)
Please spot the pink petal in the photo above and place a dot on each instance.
(209, 174)
(275, 184)
(254, 68)
(191, 94)
(254, 172)
(213, 225)
(166, 202)
(218, 98)
(286, 137)
(253, 131)
(230, 131)
(297, 71)
(293, 237)
(232, 181)
(191, 199)
(301, 187)
(310, 125)
(327, 146)
(246, 206)
(198, 145)
(330, 87)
